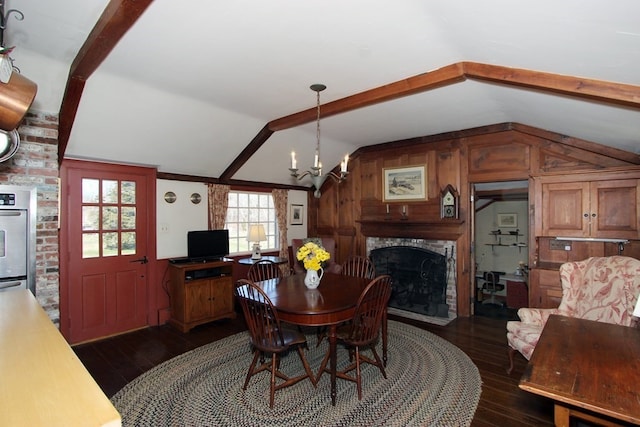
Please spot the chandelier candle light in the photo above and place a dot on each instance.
(316, 170)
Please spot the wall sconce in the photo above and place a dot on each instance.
(256, 235)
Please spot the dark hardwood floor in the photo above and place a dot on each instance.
(115, 361)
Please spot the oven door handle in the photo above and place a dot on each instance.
(6, 285)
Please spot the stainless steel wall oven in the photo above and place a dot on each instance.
(17, 237)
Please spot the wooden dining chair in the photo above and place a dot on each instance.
(363, 331)
(264, 270)
(359, 266)
(269, 338)
(354, 266)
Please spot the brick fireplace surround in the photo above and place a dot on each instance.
(443, 247)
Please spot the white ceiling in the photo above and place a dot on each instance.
(193, 82)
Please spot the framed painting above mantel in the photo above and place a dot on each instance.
(404, 184)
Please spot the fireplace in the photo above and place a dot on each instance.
(419, 278)
(423, 273)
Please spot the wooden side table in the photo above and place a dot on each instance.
(590, 369)
(274, 259)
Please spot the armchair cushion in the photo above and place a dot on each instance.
(604, 289)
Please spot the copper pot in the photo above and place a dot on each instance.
(16, 97)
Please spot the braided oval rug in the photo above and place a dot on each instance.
(430, 382)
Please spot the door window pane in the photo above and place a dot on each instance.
(109, 244)
(110, 218)
(109, 191)
(128, 192)
(128, 218)
(128, 243)
(90, 190)
(90, 218)
(90, 245)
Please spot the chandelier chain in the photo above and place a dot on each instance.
(318, 125)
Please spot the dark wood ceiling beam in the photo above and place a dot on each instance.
(427, 81)
(597, 90)
(115, 21)
(246, 154)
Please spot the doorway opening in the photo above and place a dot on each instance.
(501, 247)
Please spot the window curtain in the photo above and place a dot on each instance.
(218, 203)
(280, 200)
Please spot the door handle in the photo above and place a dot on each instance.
(9, 285)
(142, 260)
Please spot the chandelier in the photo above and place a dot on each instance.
(317, 178)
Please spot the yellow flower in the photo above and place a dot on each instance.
(312, 256)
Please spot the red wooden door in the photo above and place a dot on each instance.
(106, 241)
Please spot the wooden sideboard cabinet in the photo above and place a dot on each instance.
(545, 288)
(598, 209)
(200, 293)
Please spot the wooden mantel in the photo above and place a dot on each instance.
(444, 230)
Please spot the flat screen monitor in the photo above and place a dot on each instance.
(206, 245)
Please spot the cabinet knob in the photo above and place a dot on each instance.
(586, 215)
(593, 215)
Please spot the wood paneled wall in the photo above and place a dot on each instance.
(354, 209)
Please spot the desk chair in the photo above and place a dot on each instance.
(362, 332)
(492, 285)
(268, 337)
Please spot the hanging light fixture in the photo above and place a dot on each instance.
(317, 178)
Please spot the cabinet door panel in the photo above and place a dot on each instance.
(222, 296)
(615, 206)
(563, 208)
(198, 300)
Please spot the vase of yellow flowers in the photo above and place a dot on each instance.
(313, 257)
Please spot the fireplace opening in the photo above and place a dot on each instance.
(419, 278)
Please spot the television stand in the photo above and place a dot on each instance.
(200, 292)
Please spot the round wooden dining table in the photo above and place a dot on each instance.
(331, 303)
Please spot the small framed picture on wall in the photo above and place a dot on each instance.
(297, 214)
(508, 220)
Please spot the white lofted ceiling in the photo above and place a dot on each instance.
(193, 82)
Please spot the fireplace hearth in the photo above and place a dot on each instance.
(419, 278)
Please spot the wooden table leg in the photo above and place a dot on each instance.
(384, 338)
(561, 415)
(334, 360)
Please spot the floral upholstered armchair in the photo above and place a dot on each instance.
(604, 289)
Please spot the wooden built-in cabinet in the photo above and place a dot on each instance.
(586, 207)
(598, 209)
(200, 293)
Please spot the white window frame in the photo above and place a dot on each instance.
(246, 208)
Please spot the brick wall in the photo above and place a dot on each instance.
(36, 165)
